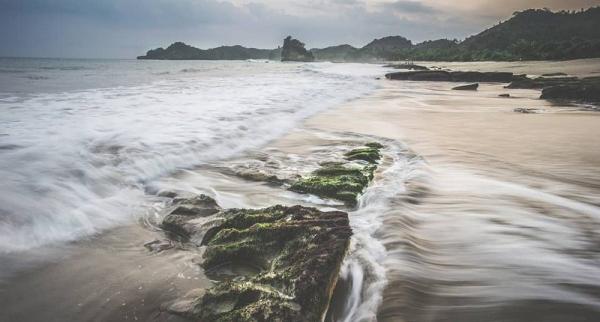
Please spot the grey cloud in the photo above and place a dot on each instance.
(127, 28)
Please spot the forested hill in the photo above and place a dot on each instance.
(528, 35)
(534, 34)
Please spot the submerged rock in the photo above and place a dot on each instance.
(179, 221)
(293, 50)
(296, 253)
(504, 95)
(525, 110)
(470, 87)
(458, 76)
(340, 181)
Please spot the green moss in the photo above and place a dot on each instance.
(299, 251)
(368, 154)
(341, 181)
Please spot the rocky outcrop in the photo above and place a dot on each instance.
(586, 91)
(541, 82)
(293, 50)
(469, 87)
(457, 76)
(562, 87)
(341, 181)
(287, 261)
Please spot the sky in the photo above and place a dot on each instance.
(128, 28)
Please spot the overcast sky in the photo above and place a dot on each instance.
(127, 28)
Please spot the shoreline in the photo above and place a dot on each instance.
(444, 128)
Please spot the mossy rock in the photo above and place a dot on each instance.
(369, 154)
(298, 250)
(342, 181)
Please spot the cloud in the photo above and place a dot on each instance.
(410, 7)
(127, 28)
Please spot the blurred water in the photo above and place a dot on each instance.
(81, 140)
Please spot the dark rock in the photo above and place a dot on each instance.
(470, 87)
(525, 110)
(541, 82)
(492, 77)
(293, 50)
(407, 66)
(504, 95)
(296, 253)
(554, 74)
(587, 90)
(421, 76)
(187, 209)
(159, 245)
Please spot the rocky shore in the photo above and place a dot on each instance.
(553, 87)
(279, 263)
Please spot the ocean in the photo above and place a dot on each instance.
(81, 141)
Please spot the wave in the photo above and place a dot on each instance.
(86, 157)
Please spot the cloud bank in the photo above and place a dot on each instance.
(126, 28)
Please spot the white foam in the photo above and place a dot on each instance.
(77, 162)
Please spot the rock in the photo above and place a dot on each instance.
(587, 90)
(525, 110)
(470, 87)
(504, 95)
(490, 77)
(407, 66)
(295, 252)
(370, 154)
(159, 245)
(554, 74)
(187, 209)
(341, 181)
(445, 76)
(540, 82)
(293, 50)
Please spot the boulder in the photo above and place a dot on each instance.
(469, 87)
(286, 262)
(179, 222)
(293, 50)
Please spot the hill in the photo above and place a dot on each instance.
(182, 51)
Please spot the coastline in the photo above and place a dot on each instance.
(451, 131)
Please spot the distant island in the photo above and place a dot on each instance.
(534, 34)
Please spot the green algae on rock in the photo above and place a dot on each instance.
(341, 181)
(297, 252)
(368, 154)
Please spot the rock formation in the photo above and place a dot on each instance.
(293, 50)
